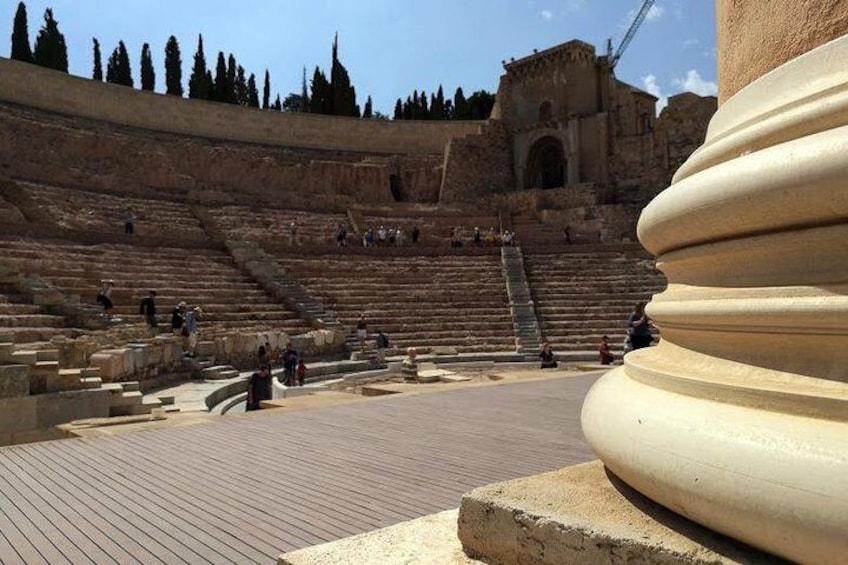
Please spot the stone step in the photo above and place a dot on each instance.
(32, 321)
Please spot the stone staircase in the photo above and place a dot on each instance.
(272, 276)
(528, 337)
(269, 225)
(585, 293)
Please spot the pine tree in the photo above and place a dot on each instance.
(198, 83)
(98, 62)
(148, 75)
(368, 113)
(480, 105)
(266, 91)
(50, 49)
(304, 93)
(173, 68)
(398, 110)
(460, 106)
(252, 92)
(21, 50)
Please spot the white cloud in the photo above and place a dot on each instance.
(694, 83)
(654, 13)
(547, 15)
(575, 5)
(690, 43)
(651, 87)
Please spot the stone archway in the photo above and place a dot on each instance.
(546, 164)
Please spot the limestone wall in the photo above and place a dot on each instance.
(478, 165)
(37, 87)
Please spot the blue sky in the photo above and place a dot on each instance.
(389, 47)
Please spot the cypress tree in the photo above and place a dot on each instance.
(50, 49)
(210, 86)
(221, 79)
(319, 102)
(368, 112)
(266, 91)
(124, 71)
(304, 93)
(232, 75)
(173, 68)
(278, 106)
(118, 67)
(398, 110)
(98, 62)
(460, 105)
(342, 94)
(242, 94)
(148, 75)
(424, 110)
(21, 50)
(198, 83)
(437, 108)
(252, 92)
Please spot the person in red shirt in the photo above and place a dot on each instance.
(606, 356)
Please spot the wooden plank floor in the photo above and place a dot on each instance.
(244, 490)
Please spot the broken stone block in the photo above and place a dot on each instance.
(14, 381)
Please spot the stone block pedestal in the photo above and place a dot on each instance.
(582, 514)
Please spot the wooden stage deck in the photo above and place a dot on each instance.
(248, 488)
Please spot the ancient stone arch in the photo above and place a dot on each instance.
(546, 165)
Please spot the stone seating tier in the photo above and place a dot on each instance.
(204, 277)
(96, 211)
(583, 295)
(272, 224)
(420, 302)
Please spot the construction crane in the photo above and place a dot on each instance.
(628, 37)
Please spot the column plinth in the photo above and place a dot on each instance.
(738, 420)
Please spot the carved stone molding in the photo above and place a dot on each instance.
(738, 419)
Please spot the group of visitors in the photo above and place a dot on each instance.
(260, 383)
(492, 238)
(638, 336)
(184, 321)
(388, 237)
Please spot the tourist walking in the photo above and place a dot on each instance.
(640, 327)
(301, 372)
(190, 331)
(259, 387)
(416, 234)
(148, 309)
(104, 296)
(362, 330)
(129, 218)
(288, 359)
(178, 318)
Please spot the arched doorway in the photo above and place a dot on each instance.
(546, 164)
